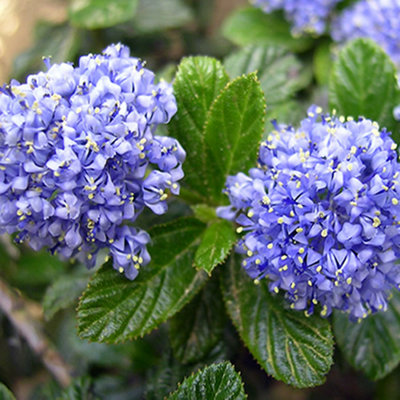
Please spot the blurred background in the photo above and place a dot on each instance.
(21, 19)
(146, 368)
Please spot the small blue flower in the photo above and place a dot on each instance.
(305, 15)
(79, 160)
(321, 214)
(375, 19)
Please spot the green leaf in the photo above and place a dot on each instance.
(95, 14)
(289, 346)
(163, 379)
(323, 62)
(5, 394)
(198, 82)
(64, 292)
(290, 112)
(80, 389)
(217, 382)
(215, 246)
(114, 309)
(197, 328)
(233, 133)
(388, 388)
(252, 26)
(84, 354)
(280, 73)
(204, 213)
(372, 345)
(363, 83)
(34, 268)
(175, 13)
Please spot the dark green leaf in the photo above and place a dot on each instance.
(119, 387)
(345, 4)
(252, 26)
(233, 133)
(175, 13)
(163, 379)
(372, 345)
(5, 394)
(215, 246)
(363, 83)
(388, 388)
(288, 345)
(198, 82)
(80, 389)
(64, 292)
(280, 73)
(197, 328)
(217, 382)
(95, 14)
(114, 309)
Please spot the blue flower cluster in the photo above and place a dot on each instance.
(321, 214)
(76, 147)
(375, 19)
(305, 15)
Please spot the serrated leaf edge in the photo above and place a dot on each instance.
(227, 364)
(209, 273)
(134, 337)
(254, 77)
(201, 131)
(323, 379)
(372, 44)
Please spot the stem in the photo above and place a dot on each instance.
(24, 315)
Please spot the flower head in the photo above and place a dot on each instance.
(76, 147)
(375, 19)
(305, 15)
(321, 214)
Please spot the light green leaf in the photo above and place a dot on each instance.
(373, 345)
(114, 309)
(215, 246)
(156, 15)
(233, 133)
(64, 292)
(280, 73)
(95, 14)
(217, 382)
(363, 83)
(198, 82)
(252, 26)
(197, 328)
(204, 213)
(289, 346)
(5, 394)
